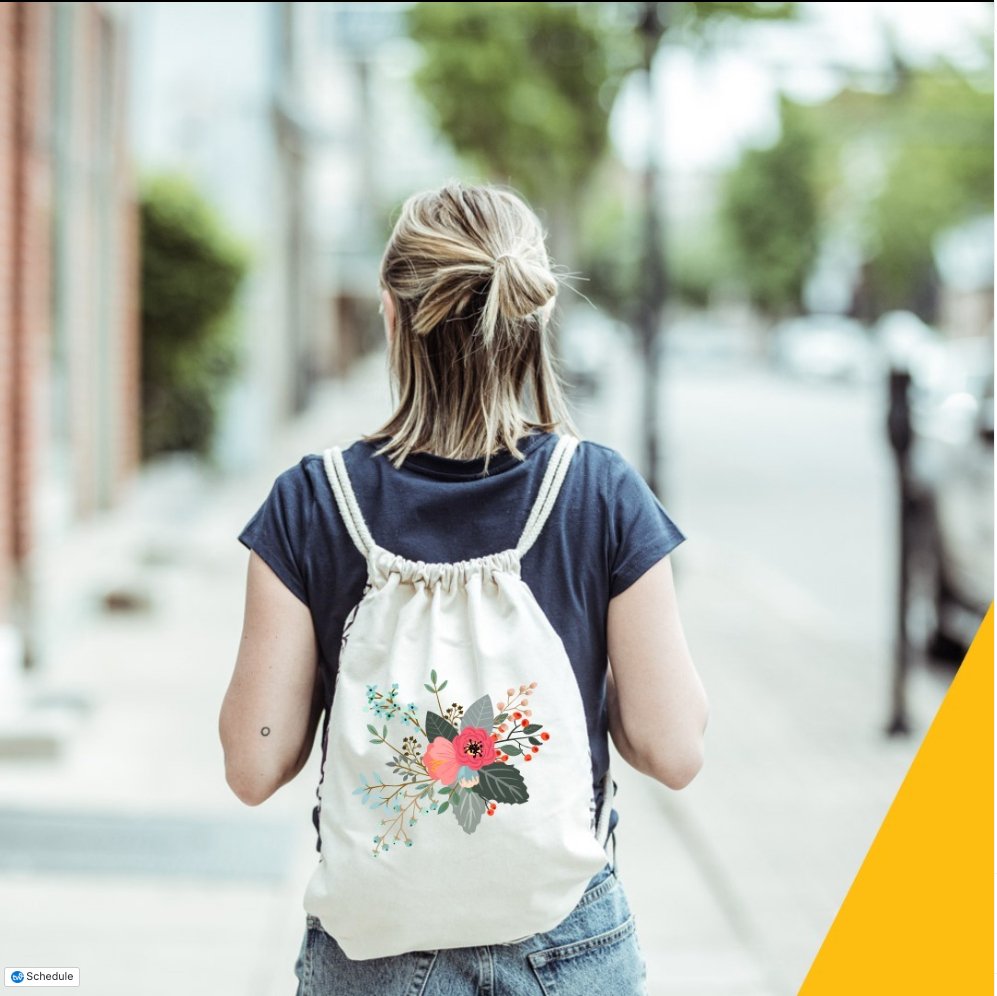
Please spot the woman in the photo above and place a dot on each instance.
(467, 295)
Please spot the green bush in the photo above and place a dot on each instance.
(191, 269)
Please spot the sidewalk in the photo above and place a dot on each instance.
(734, 881)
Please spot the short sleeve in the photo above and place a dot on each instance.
(278, 529)
(641, 530)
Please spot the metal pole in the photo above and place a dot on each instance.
(653, 274)
(899, 430)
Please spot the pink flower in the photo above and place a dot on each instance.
(441, 761)
(472, 749)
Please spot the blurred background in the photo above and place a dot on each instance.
(775, 226)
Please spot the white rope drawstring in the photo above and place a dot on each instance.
(349, 509)
(549, 490)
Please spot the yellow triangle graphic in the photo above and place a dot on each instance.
(919, 917)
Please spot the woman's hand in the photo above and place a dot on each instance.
(274, 700)
(657, 704)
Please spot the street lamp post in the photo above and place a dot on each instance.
(653, 284)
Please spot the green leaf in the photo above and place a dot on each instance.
(432, 676)
(532, 728)
(512, 750)
(429, 688)
(535, 741)
(370, 726)
(501, 783)
(375, 741)
(469, 809)
(478, 714)
(437, 726)
(444, 685)
(444, 807)
(500, 718)
(446, 790)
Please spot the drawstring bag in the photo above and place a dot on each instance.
(455, 802)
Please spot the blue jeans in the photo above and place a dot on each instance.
(593, 950)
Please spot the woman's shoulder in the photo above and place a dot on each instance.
(302, 471)
(312, 465)
(613, 467)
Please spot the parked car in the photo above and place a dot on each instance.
(825, 347)
(952, 470)
(708, 339)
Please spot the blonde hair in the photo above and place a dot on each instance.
(473, 289)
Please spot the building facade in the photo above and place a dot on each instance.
(69, 353)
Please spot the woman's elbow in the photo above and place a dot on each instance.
(675, 767)
(252, 789)
(678, 774)
(245, 775)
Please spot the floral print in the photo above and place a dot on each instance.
(459, 759)
(448, 761)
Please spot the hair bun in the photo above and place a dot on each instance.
(521, 284)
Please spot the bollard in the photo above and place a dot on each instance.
(900, 436)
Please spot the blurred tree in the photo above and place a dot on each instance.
(938, 144)
(524, 91)
(190, 272)
(610, 239)
(899, 167)
(770, 209)
(614, 221)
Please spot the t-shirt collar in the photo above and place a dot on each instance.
(437, 466)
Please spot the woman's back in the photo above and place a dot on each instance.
(606, 529)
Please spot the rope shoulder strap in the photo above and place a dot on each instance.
(349, 508)
(550, 487)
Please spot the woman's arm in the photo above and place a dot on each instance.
(273, 703)
(658, 708)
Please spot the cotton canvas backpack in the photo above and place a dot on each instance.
(455, 802)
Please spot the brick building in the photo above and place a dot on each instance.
(69, 360)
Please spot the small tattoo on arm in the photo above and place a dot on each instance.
(265, 731)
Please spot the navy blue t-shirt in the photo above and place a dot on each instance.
(606, 529)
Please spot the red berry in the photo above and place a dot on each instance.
(534, 749)
(529, 757)
(491, 812)
(517, 715)
(545, 736)
(526, 722)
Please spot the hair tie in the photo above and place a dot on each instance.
(502, 255)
